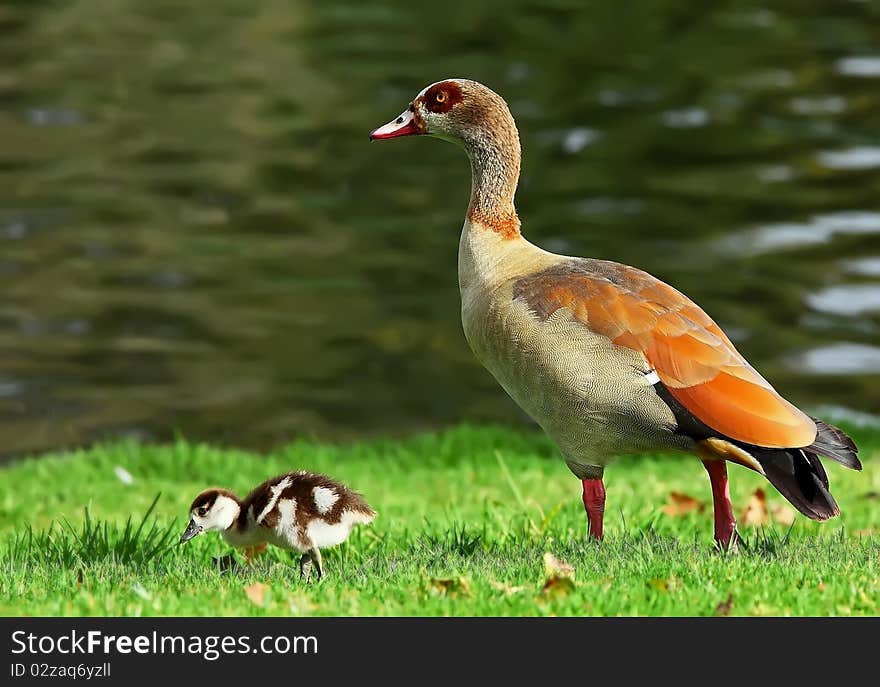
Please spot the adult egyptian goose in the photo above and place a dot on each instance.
(609, 360)
(300, 511)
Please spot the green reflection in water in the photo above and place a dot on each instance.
(196, 234)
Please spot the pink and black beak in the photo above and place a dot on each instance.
(407, 124)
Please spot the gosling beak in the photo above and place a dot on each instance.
(191, 531)
(405, 125)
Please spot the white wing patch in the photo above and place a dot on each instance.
(286, 530)
(652, 377)
(324, 499)
(273, 499)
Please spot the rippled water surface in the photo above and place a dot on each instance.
(196, 235)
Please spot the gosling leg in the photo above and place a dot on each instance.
(316, 559)
(305, 566)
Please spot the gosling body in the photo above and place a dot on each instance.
(298, 511)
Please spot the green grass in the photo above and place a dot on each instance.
(465, 520)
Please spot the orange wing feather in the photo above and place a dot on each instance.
(692, 356)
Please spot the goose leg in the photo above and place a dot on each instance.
(594, 504)
(725, 521)
(316, 559)
(305, 566)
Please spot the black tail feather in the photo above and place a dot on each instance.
(799, 476)
(833, 443)
(797, 473)
(816, 467)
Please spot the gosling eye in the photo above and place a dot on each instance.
(202, 511)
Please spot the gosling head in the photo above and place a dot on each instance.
(213, 509)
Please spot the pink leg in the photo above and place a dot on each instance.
(594, 503)
(725, 521)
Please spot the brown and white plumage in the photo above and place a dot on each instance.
(301, 511)
(606, 358)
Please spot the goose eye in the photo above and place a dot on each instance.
(202, 511)
(440, 97)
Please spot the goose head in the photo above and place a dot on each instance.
(476, 118)
(458, 110)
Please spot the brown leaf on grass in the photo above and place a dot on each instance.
(560, 576)
(256, 592)
(664, 584)
(450, 586)
(725, 606)
(557, 586)
(756, 512)
(680, 504)
(659, 584)
(783, 514)
(557, 566)
(506, 589)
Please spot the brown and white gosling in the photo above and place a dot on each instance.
(301, 511)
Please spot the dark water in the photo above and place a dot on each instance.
(195, 233)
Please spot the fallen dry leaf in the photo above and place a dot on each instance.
(506, 589)
(659, 584)
(557, 586)
(560, 576)
(256, 592)
(783, 514)
(664, 584)
(725, 606)
(450, 586)
(756, 512)
(681, 504)
(557, 566)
